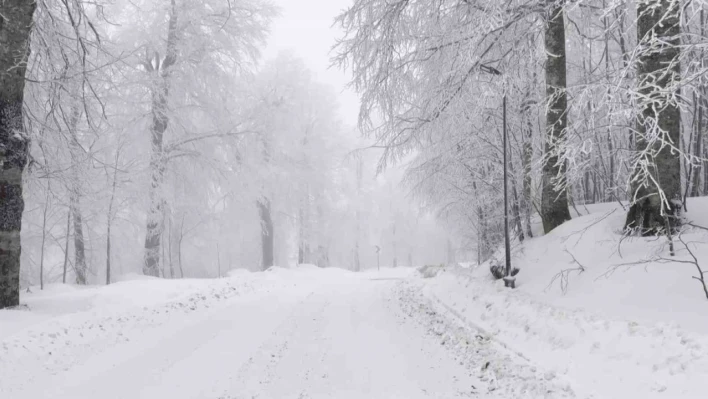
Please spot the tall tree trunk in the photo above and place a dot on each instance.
(179, 247)
(169, 247)
(108, 252)
(160, 121)
(450, 253)
(44, 239)
(301, 237)
(304, 254)
(698, 150)
(218, 260)
(359, 179)
(515, 211)
(554, 201)
(15, 27)
(66, 245)
(611, 186)
(305, 232)
(75, 151)
(527, 157)
(658, 71)
(322, 240)
(395, 246)
(515, 204)
(79, 249)
(483, 239)
(267, 246)
(109, 220)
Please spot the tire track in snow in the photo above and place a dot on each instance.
(260, 371)
(505, 371)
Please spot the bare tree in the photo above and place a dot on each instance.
(161, 68)
(15, 28)
(554, 204)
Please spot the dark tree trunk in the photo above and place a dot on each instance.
(554, 202)
(267, 242)
(160, 121)
(697, 151)
(658, 70)
(516, 212)
(79, 251)
(15, 28)
(44, 239)
(527, 158)
(611, 186)
(515, 205)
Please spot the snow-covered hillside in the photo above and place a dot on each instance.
(627, 277)
(615, 315)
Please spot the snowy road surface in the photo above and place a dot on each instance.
(339, 338)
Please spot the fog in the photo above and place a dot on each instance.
(187, 139)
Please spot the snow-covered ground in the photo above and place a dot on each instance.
(302, 333)
(610, 331)
(628, 278)
(633, 323)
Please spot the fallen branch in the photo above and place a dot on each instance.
(701, 272)
(586, 228)
(564, 275)
(697, 226)
(661, 260)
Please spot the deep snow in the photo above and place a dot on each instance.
(279, 334)
(624, 277)
(630, 324)
(611, 331)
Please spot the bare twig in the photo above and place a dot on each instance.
(586, 228)
(564, 275)
(701, 273)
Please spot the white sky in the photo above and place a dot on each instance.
(305, 28)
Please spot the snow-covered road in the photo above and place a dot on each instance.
(339, 338)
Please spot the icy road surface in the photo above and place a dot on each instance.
(284, 334)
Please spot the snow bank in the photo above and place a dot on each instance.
(608, 313)
(586, 263)
(613, 358)
(237, 273)
(58, 301)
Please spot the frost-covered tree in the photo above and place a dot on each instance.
(554, 202)
(606, 103)
(656, 180)
(200, 38)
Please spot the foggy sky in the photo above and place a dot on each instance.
(305, 29)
